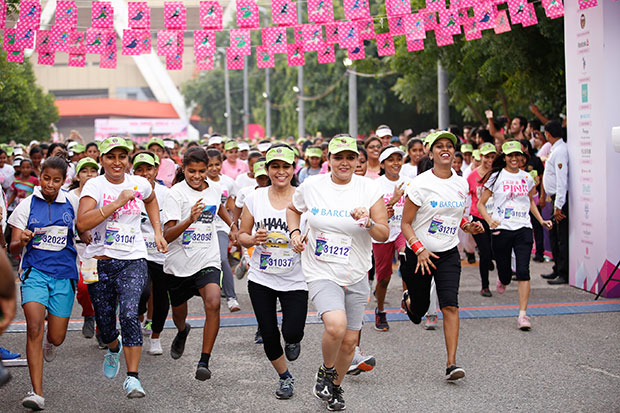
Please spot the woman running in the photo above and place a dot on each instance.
(192, 265)
(110, 206)
(345, 212)
(313, 163)
(275, 267)
(373, 148)
(415, 152)
(512, 190)
(43, 229)
(433, 212)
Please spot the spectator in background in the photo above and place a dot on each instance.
(384, 133)
(92, 151)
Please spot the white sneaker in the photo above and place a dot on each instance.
(233, 305)
(155, 348)
(49, 350)
(33, 401)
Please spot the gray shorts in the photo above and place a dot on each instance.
(327, 296)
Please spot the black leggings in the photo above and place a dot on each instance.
(294, 310)
(504, 242)
(161, 302)
(483, 241)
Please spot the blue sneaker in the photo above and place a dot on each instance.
(8, 354)
(133, 388)
(111, 361)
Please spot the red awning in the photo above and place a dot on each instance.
(116, 107)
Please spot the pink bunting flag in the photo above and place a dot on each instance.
(356, 9)
(326, 53)
(16, 56)
(46, 58)
(43, 42)
(435, 5)
(442, 38)
(139, 15)
(414, 45)
(108, 60)
(24, 37)
(77, 42)
(463, 4)
(204, 62)
(77, 60)
(102, 15)
(2, 14)
(146, 42)
(484, 15)
(414, 27)
(110, 42)
(366, 28)
(10, 40)
(174, 62)
(274, 38)
(517, 10)
(586, 4)
(553, 8)
(502, 24)
(167, 44)
(66, 14)
(264, 59)
(530, 16)
(132, 42)
(385, 44)
(429, 18)
(397, 7)
(247, 14)
(284, 12)
(348, 36)
(471, 29)
(234, 59)
(60, 38)
(295, 54)
(175, 15)
(357, 53)
(320, 11)
(211, 15)
(313, 37)
(448, 20)
(29, 14)
(397, 25)
(204, 43)
(331, 33)
(298, 31)
(240, 40)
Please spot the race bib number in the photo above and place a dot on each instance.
(120, 237)
(197, 236)
(149, 241)
(516, 214)
(443, 227)
(276, 260)
(396, 219)
(88, 268)
(333, 248)
(52, 238)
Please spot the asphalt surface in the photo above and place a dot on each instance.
(566, 363)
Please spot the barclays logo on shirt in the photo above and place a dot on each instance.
(448, 204)
(325, 212)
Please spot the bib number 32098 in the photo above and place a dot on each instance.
(333, 248)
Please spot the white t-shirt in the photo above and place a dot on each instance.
(148, 234)
(119, 236)
(244, 180)
(80, 246)
(274, 264)
(7, 176)
(3, 205)
(387, 187)
(337, 248)
(408, 170)
(441, 205)
(227, 184)
(511, 198)
(197, 247)
(242, 195)
(544, 150)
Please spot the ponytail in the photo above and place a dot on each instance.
(498, 164)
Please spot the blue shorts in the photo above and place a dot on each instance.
(56, 294)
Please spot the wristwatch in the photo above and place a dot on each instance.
(372, 224)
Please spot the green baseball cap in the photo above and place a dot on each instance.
(230, 145)
(512, 147)
(282, 153)
(476, 155)
(341, 144)
(115, 142)
(78, 148)
(84, 162)
(157, 161)
(143, 158)
(156, 141)
(467, 147)
(316, 152)
(487, 148)
(435, 136)
(259, 169)
(533, 173)
(300, 141)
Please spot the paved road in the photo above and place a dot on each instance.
(566, 363)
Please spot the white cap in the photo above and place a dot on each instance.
(215, 140)
(18, 150)
(33, 142)
(264, 147)
(381, 132)
(244, 146)
(17, 161)
(71, 145)
(389, 152)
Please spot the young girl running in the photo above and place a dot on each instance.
(192, 265)
(43, 229)
(23, 185)
(512, 190)
(275, 267)
(314, 155)
(415, 152)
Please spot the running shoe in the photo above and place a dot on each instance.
(88, 328)
(471, 257)
(485, 292)
(336, 402)
(258, 337)
(6, 354)
(147, 328)
(361, 363)
(324, 383)
(5, 376)
(178, 344)
(100, 343)
(454, 373)
(524, 323)
(155, 347)
(381, 323)
(292, 350)
(233, 304)
(202, 372)
(33, 401)
(49, 350)
(111, 361)
(241, 269)
(501, 288)
(285, 390)
(415, 319)
(431, 322)
(133, 388)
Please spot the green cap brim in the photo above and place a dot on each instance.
(435, 136)
(84, 163)
(281, 153)
(341, 144)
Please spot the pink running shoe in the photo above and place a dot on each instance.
(501, 288)
(524, 323)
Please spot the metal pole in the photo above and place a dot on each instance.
(267, 105)
(246, 99)
(227, 92)
(301, 128)
(353, 104)
(443, 107)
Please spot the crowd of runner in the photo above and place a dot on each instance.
(136, 231)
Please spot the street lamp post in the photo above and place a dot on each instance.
(246, 100)
(301, 128)
(352, 99)
(227, 93)
(267, 96)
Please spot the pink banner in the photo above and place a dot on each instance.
(357, 53)
(502, 24)
(320, 11)
(61, 37)
(2, 14)
(10, 40)
(331, 33)
(174, 62)
(139, 15)
(586, 4)
(66, 15)
(15, 56)
(204, 62)
(43, 42)
(102, 15)
(295, 54)
(298, 31)
(275, 39)
(356, 9)
(530, 16)
(108, 60)
(204, 43)
(435, 5)
(414, 45)
(175, 15)
(77, 43)
(442, 38)
(46, 58)
(240, 40)
(247, 14)
(448, 20)
(167, 44)
(470, 27)
(211, 15)
(313, 37)
(397, 25)
(132, 42)
(264, 59)
(284, 12)
(397, 7)
(366, 29)
(24, 37)
(348, 37)
(326, 53)
(234, 59)
(385, 44)
(484, 15)
(96, 40)
(77, 60)
(553, 8)
(429, 18)
(414, 27)
(29, 14)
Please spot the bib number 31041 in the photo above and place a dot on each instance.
(119, 236)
